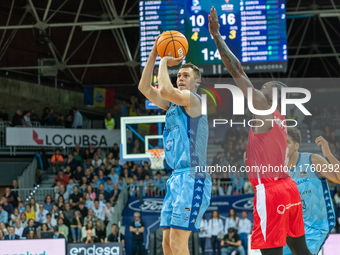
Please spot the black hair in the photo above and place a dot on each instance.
(295, 134)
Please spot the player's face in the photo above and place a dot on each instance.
(291, 146)
(183, 78)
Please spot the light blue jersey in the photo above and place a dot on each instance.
(188, 192)
(185, 139)
(318, 211)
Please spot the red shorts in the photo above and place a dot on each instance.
(277, 214)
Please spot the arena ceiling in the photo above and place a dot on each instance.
(97, 42)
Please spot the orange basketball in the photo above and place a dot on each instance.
(172, 43)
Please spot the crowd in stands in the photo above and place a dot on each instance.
(73, 120)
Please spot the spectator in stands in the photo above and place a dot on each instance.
(140, 173)
(62, 193)
(18, 229)
(3, 115)
(70, 185)
(30, 214)
(68, 121)
(27, 120)
(108, 161)
(77, 118)
(21, 207)
(204, 228)
(232, 242)
(90, 238)
(215, 229)
(82, 209)
(108, 185)
(109, 122)
(45, 116)
(137, 229)
(44, 228)
(11, 234)
(48, 203)
(238, 184)
(232, 220)
(12, 197)
(114, 196)
(3, 228)
(98, 211)
(63, 229)
(126, 175)
(90, 191)
(102, 201)
(88, 226)
(96, 162)
(68, 212)
(15, 216)
(63, 178)
(58, 235)
(55, 211)
(160, 184)
(115, 151)
(101, 177)
(78, 158)
(76, 225)
(121, 183)
(75, 198)
(34, 116)
(78, 174)
(108, 211)
(17, 119)
(57, 160)
(292, 115)
(116, 237)
(244, 229)
(23, 220)
(28, 228)
(6, 206)
(96, 181)
(100, 231)
(101, 190)
(90, 217)
(50, 221)
(114, 177)
(87, 159)
(2, 235)
(60, 203)
(51, 118)
(88, 201)
(32, 234)
(218, 159)
(129, 145)
(71, 162)
(40, 215)
(149, 185)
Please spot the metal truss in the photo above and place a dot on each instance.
(109, 20)
(302, 22)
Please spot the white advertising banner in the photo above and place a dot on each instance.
(33, 246)
(61, 137)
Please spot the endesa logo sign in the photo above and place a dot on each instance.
(95, 249)
(61, 137)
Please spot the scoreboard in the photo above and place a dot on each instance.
(254, 30)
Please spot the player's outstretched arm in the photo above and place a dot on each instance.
(176, 96)
(327, 170)
(145, 87)
(233, 65)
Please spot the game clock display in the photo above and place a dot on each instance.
(254, 30)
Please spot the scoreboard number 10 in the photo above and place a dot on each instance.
(200, 20)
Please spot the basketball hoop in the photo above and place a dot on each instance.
(157, 158)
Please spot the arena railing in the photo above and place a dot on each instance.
(27, 179)
(37, 193)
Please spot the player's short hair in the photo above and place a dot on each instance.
(197, 72)
(295, 134)
(279, 85)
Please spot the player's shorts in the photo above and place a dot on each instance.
(277, 214)
(187, 199)
(315, 239)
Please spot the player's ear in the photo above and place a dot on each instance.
(297, 146)
(197, 83)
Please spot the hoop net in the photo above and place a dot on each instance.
(156, 157)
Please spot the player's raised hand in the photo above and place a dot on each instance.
(214, 26)
(171, 61)
(320, 141)
(154, 48)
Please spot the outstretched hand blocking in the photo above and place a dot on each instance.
(320, 141)
(214, 25)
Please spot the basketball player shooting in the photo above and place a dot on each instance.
(185, 145)
(277, 205)
(310, 172)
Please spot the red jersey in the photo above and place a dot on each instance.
(267, 154)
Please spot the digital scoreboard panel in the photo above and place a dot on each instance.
(254, 30)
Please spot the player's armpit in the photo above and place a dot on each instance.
(330, 173)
